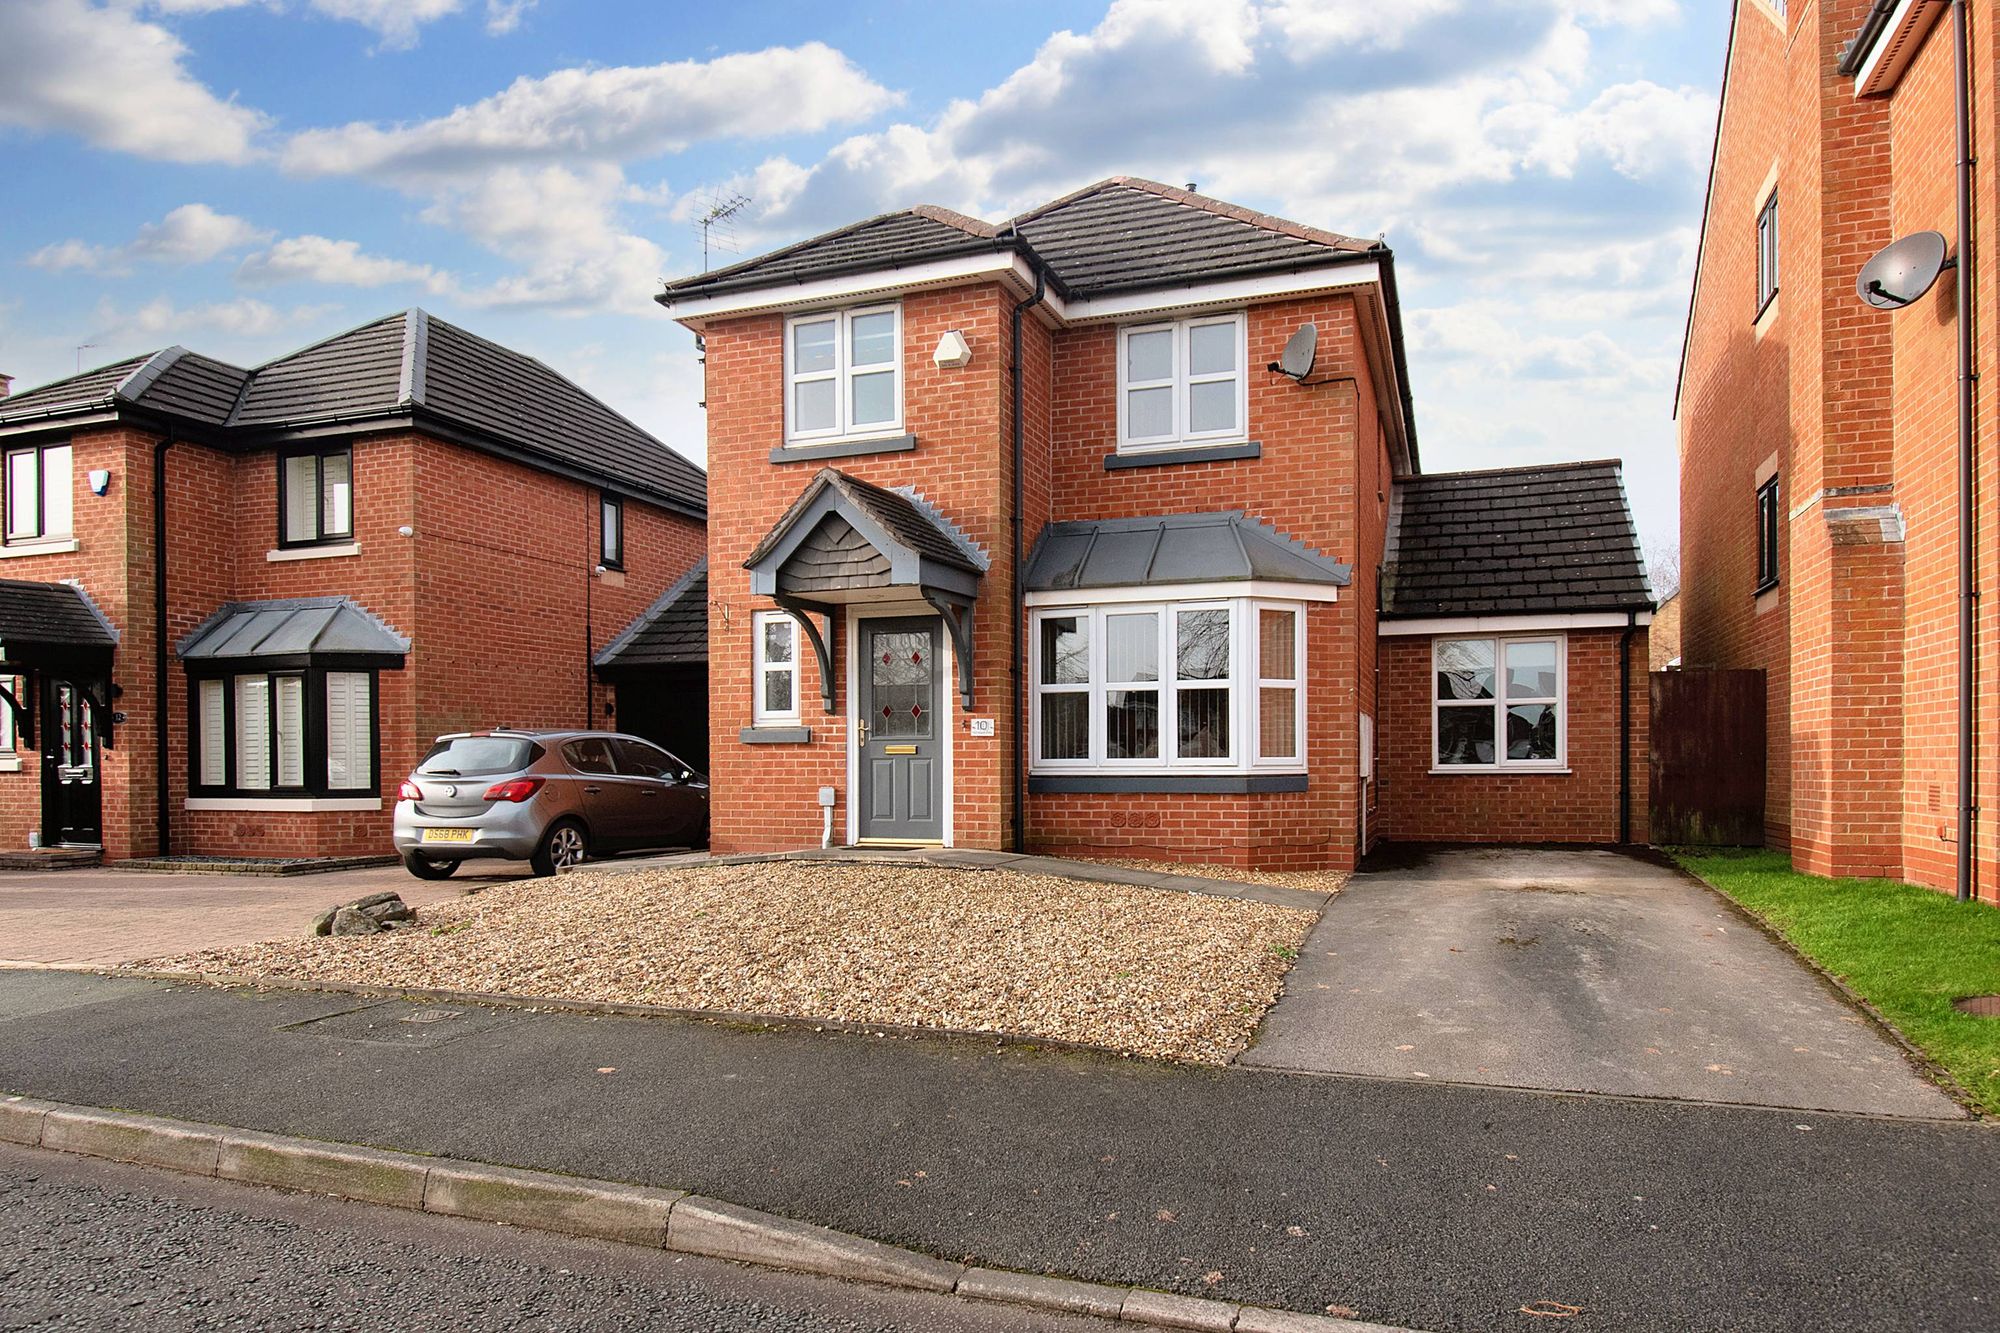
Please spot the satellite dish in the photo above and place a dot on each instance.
(1902, 271)
(1300, 350)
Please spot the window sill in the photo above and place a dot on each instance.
(10, 763)
(814, 449)
(1193, 453)
(1497, 771)
(1050, 784)
(330, 552)
(16, 550)
(768, 735)
(285, 804)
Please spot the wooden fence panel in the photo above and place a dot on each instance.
(1708, 757)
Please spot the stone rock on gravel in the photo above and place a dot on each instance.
(354, 921)
(364, 916)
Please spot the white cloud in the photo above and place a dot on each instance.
(116, 82)
(342, 263)
(241, 318)
(615, 114)
(190, 234)
(396, 22)
(503, 16)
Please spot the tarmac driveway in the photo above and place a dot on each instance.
(1583, 971)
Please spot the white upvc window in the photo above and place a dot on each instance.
(39, 502)
(350, 731)
(1128, 687)
(844, 374)
(1182, 382)
(1499, 704)
(777, 668)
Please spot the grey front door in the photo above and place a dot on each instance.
(902, 745)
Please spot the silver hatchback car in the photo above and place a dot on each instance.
(554, 798)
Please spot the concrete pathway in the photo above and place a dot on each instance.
(96, 918)
(1580, 971)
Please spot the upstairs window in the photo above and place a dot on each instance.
(40, 503)
(1767, 252)
(1182, 383)
(316, 497)
(1767, 535)
(610, 532)
(844, 374)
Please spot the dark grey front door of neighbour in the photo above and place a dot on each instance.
(902, 745)
(72, 801)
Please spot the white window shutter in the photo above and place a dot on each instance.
(213, 738)
(350, 758)
(291, 722)
(253, 732)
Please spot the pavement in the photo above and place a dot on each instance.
(99, 917)
(1583, 971)
(1442, 1206)
(90, 1244)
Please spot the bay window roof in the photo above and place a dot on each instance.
(293, 631)
(1170, 549)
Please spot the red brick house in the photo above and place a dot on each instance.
(1838, 521)
(236, 605)
(1023, 536)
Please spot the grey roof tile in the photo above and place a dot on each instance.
(910, 521)
(1115, 235)
(672, 631)
(1172, 548)
(50, 614)
(291, 626)
(1554, 538)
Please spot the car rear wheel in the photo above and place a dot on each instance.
(424, 867)
(563, 847)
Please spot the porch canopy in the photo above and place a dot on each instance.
(54, 627)
(845, 540)
(292, 632)
(1173, 549)
(673, 631)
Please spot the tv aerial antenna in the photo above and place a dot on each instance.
(718, 227)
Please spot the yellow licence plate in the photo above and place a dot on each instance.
(447, 835)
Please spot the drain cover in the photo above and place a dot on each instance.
(393, 1024)
(429, 1016)
(1979, 1006)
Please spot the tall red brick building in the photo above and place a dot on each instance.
(1103, 530)
(236, 605)
(1822, 520)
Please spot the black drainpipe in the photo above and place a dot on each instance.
(1625, 728)
(1019, 722)
(1968, 585)
(162, 799)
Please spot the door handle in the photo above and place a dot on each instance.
(861, 726)
(592, 791)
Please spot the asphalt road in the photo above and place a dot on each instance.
(94, 1245)
(1432, 1207)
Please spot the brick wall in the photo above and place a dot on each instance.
(1859, 644)
(1578, 806)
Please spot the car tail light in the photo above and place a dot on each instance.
(409, 791)
(514, 789)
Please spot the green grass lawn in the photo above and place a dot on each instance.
(1908, 951)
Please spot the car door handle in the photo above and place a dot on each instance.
(592, 791)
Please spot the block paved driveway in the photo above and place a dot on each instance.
(95, 918)
(1584, 971)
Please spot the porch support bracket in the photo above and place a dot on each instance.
(957, 612)
(808, 614)
(24, 717)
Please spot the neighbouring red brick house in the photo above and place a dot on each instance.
(401, 531)
(1022, 536)
(1821, 514)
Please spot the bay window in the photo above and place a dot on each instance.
(844, 374)
(305, 732)
(1167, 687)
(1181, 383)
(1498, 703)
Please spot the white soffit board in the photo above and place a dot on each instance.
(1527, 624)
(1896, 46)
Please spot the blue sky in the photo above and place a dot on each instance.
(245, 176)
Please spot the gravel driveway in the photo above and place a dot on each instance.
(1138, 970)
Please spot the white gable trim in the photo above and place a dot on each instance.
(1510, 624)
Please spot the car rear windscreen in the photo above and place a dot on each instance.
(479, 756)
